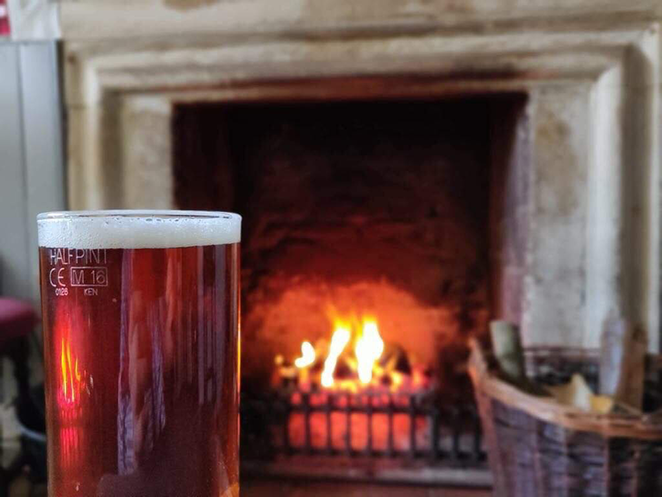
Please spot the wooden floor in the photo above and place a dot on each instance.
(271, 488)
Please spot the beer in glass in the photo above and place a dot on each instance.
(141, 345)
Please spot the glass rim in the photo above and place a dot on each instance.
(137, 214)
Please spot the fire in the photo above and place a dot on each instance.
(355, 359)
(339, 341)
(307, 356)
(368, 349)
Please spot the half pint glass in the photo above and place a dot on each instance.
(141, 346)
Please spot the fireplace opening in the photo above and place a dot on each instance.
(379, 236)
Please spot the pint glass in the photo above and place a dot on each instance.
(141, 346)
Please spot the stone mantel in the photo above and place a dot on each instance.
(590, 68)
(97, 19)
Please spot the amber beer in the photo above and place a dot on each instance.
(141, 345)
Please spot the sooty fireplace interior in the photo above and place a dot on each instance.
(379, 235)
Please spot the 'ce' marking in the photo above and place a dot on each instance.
(56, 277)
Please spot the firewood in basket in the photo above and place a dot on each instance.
(577, 393)
(612, 348)
(622, 360)
(508, 350)
(602, 404)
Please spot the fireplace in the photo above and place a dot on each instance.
(380, 235)
(425, 169)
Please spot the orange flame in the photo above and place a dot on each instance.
(307, 356)
(368, 349)
(339, 340)
(357, 358)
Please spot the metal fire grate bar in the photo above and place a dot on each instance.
(454, 434)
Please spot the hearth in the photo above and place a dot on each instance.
(369, 402)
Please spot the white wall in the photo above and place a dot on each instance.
(31, 161)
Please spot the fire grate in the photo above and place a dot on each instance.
(409, 426)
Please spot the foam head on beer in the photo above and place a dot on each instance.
(140, 313)
(137, 229)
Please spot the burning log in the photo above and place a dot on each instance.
(395, 358)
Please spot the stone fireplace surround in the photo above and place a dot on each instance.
(590, 70)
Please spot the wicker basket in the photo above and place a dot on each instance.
(537, 447)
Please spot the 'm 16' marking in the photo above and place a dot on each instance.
(89, 276)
